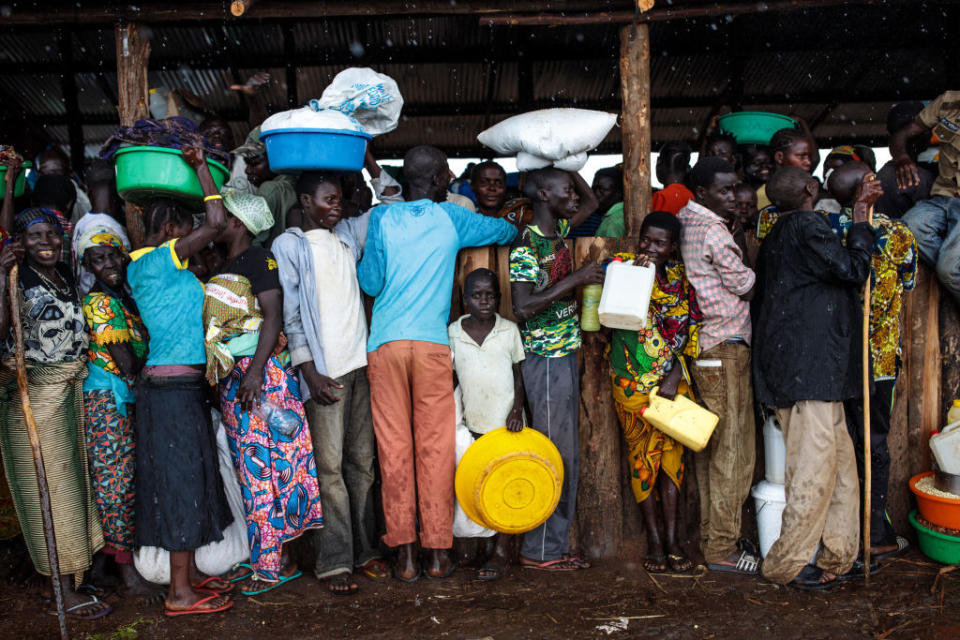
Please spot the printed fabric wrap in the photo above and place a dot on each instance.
(110, 322)
(230, 310)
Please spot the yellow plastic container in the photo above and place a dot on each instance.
(682, 419)
(510, 482)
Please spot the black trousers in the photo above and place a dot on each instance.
(881, 406)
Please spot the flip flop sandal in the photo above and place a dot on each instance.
(71, 612)
(902, 546)
(659, 561)
(748, 564)
(857, 571)
(238, 566)
(270, 586)
(193, 610)
(493, 570)
(676, 562)
(413, 578)
(202, 586)
(342, 579)
(375, 569)
(576, 561)
(548, 565)
(809, 580)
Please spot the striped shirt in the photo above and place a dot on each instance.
(716, 269)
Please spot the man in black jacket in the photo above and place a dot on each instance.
(807, 361)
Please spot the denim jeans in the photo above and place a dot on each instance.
(344, 448)
(934, 224)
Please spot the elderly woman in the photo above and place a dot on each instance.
(117, 352)
(643, 360)
(180, 504)
(260, 397)
(55, 346)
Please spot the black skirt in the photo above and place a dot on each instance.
(180, 503)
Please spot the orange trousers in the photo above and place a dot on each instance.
(414, 418)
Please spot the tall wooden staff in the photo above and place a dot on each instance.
(45, 510)
(867, 372)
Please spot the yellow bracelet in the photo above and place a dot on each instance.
(215, 196)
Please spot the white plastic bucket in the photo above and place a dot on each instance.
(774, 451)
(770, 499)
(945, 447)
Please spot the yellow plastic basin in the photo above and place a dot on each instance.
(510, 482)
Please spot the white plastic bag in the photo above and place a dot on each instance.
(307, 118)
(463, 526)
(215, 558)
(372, 98)
(550, 134)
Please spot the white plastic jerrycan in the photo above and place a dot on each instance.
(626, 295)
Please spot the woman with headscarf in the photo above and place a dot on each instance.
(180, 504)
(117, 352)
(55, 346)
(260, 397)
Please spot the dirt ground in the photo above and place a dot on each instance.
(614, 599)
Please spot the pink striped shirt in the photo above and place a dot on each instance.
(715, 268)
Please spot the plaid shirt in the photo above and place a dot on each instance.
(717, 272)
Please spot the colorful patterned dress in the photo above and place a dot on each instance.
(108, 401)
(639, 361)
(270, 446)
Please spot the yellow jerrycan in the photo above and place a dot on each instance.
(682, 419)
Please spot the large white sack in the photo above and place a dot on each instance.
(463, 526)
(553, 134)
(307, 118)
(372, 98)
(215, 558)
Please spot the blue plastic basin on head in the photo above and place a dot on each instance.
(296, 150)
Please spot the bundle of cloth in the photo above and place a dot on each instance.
(173, 133)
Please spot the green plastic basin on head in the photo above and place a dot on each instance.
(935, 545)
(144, 173)
(754, 127)
(19, 185)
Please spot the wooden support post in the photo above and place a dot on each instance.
(635, 94)
(133, 99)
(599, 524)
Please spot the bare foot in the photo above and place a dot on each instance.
(134, 586)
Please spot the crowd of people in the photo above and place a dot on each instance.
(255, 315)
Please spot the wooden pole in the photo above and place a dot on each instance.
(133, 99)
(635, 94)
(46, 512)
(867, 374)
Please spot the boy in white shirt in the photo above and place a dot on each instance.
(487, 351)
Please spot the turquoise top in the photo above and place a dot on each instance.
(170, 299)
(408, 265)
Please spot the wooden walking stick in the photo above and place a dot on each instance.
(45, 510)
(867, 372)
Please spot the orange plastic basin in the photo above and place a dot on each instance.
(943, 512)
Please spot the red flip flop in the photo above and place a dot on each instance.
(202, 586)
(193, 610)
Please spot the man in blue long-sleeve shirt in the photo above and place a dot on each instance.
(408, 267)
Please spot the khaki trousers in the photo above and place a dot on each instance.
(414, 418)
(823, 493)
(725, 467)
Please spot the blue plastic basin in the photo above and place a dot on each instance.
(296, 150)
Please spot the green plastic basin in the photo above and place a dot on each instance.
(144, 173)
(19, 185)
(754, 127)
(935, 545)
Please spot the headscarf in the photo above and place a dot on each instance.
(845, 150)
(252, 211)
(99, 236)
(86, 223)
(35, 215)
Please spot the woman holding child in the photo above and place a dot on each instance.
(643, 360)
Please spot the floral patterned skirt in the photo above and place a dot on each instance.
(275, 467)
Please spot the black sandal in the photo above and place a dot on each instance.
(809, 580)
(659, 562)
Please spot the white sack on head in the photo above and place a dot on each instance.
(528, 162)
(372, 98)
(307, 118)
(553, 134)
